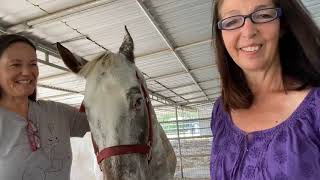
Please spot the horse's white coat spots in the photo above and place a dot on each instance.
(112, 90)
(107, 98)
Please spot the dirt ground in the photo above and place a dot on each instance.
(195, 158)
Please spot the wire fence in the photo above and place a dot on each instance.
(188, 130)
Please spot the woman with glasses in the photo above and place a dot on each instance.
(266, 124)
(34, 135)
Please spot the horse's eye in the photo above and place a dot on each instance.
(138, 103)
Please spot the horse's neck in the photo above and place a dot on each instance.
(157, 141)
(163, 161)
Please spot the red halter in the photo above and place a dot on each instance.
(129, 149)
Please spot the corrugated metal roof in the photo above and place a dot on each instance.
(53, 6)
(15, 11)
(68, 81)
(159, 64)
(172, 41)
(211, 84)
(186, 21)
(206, 74)
(154, 86)
(172, 44)
(199, 55)
(314, 7)
(175, 80)
(45, 93)
(185, 89)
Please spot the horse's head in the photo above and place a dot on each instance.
(115, 107)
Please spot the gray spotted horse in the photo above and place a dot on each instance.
(130, 143)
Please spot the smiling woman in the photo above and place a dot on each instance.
(18, 71)
(12, 62)
(266, 122)
(34, 134)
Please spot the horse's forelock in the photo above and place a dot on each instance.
(104, 57)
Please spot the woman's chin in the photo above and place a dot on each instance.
(24, 92)
(253, 69)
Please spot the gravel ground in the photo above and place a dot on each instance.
(195, 158)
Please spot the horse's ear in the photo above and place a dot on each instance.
(127, 46)
(73, 62)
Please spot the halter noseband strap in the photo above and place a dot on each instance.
(129, 149)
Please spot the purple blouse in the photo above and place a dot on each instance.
(288, 151)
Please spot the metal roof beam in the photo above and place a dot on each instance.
(150, 78)
(192, 92)
(179, 48)
(137, 58)
(53, 77)
(153, 96)
(166, 89)
(197, 97)
(178, 73)
(58, 15)
(56, 96)
(168, 42)
(48, 49)
(43, 47)
(187, 85)
(211, 100)
(58, 89)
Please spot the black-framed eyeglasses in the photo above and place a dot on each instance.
(258, 17)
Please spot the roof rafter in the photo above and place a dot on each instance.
(168, 42)
(49, 49)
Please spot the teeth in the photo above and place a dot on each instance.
(251, 48)
(24, 81)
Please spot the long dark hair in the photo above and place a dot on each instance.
(299, 48)
(5, 42)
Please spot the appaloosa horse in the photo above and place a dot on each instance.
(131, 143)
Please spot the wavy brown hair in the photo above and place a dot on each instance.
(299, 47)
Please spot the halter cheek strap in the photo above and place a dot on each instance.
(129, 149)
